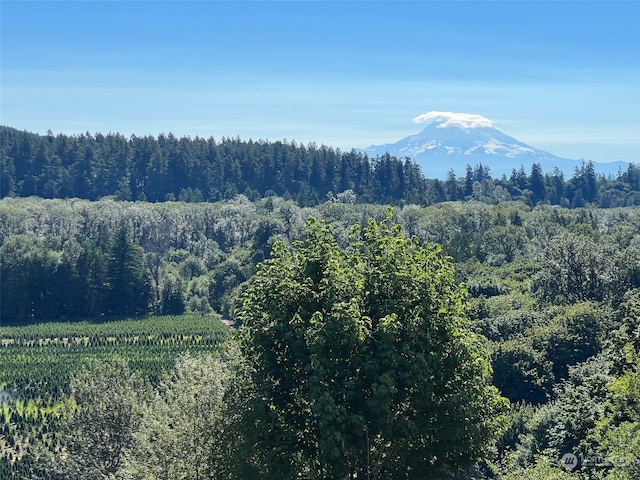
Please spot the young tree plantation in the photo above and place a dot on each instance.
(482, 329)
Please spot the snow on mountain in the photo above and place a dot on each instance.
(451, 141)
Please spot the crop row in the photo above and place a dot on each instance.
(37, 361)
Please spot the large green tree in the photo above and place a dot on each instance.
(128, 283)
(363, 365)
(182, 424)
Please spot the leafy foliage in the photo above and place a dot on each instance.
(182, 423)
(363, 363)
(99, 432)
(555, 291)
(42, 365)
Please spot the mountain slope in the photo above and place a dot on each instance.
(451, 141)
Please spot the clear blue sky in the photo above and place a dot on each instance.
(561, 76)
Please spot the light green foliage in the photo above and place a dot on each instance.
(544, 468)
(503, 244)
(98, 431)
(39, 360)
(617, 434)
(363, 361)
(577, 268)
(631, 324)
(182, 423)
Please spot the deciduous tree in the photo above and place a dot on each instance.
(363, 363)
(98, 433)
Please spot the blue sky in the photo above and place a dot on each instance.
(561, 76)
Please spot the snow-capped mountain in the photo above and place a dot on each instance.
(455, 140)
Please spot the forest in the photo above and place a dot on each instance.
(554, 291)
(167, 168)
(492, 323)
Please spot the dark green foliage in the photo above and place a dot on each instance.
(553, 289)
(196, 169)
(571, 337)
(521, 372)
(42, 279)
(47, 279)
(127, 286)
(172, 296)
(222, 281)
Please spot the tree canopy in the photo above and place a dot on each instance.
(157, 169)
(363, 362)
(555, 291)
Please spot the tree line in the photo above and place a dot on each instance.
(166, 168)
(45, 279)
(195, 169)
(81, 259)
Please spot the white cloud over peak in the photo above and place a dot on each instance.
(450, 119)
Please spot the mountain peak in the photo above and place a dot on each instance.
(451, 141)
(464, 121)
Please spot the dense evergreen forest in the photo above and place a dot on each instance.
(197, 169)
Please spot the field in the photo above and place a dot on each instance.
(37, 361)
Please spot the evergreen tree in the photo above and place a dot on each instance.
(538, 189)
(128, 283)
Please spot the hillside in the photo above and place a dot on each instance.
(195, 169)
(553, 291)
(167, 168)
